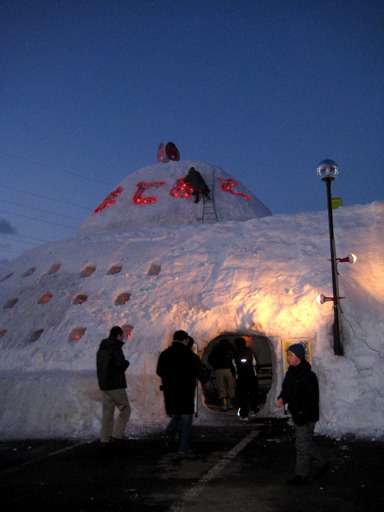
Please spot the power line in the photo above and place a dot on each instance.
(39, 220)
(39, 210)
(2, 249)
(21, 241)
(54, 168)
(24, 236)
(45, 197)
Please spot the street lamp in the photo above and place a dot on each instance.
(322, 298)
(327, 170)
(351, 258)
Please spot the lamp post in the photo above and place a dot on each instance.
(327, 170)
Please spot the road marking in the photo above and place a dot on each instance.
(204, 480)
(29, 462)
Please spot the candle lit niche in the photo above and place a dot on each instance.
(36, 335)
(45, 298)
(115, 269)
(127, 329)
(10, 303)
(77, 334)
(80, 299)
(54, 268)
(87, 271)
(29, 272)
(7, 276)
(122, 299)
(154, 269)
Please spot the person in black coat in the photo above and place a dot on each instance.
(247, 382)
(300, 391)
(196, 181)
(221, 360)
(111, 366)
(178, 371)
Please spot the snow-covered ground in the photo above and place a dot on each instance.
(256, 275)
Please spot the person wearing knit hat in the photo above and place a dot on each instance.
(299, 350)
(300, 391)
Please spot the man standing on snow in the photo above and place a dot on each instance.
(301, 393)
(111, 366)
(178, 371)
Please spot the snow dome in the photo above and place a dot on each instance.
(157, 195)
(168, 264)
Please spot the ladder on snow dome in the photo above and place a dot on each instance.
(209, 209)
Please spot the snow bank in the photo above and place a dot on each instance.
(257, 277)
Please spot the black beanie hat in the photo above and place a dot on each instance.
(115, 332)
(299, 350)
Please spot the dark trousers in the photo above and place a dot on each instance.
(247, 394)
(184, 423)
(307, 450)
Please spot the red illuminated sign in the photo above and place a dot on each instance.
(142, 186)
(227, 186)
(181, 189)
(109, 200)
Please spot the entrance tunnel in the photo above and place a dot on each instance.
(260, 347)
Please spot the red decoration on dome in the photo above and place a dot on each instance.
(227, 186)
(181, 189)
(142, 186)
(172, 151)
(167, 153)
(161, 154)
(109, 200)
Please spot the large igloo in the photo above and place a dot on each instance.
(224, 267)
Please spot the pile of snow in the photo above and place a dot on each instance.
(256, 277)
(161, 179)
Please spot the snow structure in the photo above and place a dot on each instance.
(154, 268)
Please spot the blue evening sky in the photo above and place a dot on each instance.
(263, 89)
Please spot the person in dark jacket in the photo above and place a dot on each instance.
(221, 360)
(178, 371)
(196, 181)
(111, 366)
(300, 391)
(247, 383)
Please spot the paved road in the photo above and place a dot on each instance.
(238, 468)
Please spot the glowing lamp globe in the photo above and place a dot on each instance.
(327, 170)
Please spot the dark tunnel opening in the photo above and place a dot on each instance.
(260, 347)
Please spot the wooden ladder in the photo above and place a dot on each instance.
(209, 209)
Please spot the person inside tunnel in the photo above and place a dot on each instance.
(221, 360)
(260, 346)
(247, 384)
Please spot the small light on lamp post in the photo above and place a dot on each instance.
(327, 170)
(322, 298)
(351, 258)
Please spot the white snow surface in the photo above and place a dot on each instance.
(252, 277)
(169, 210)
